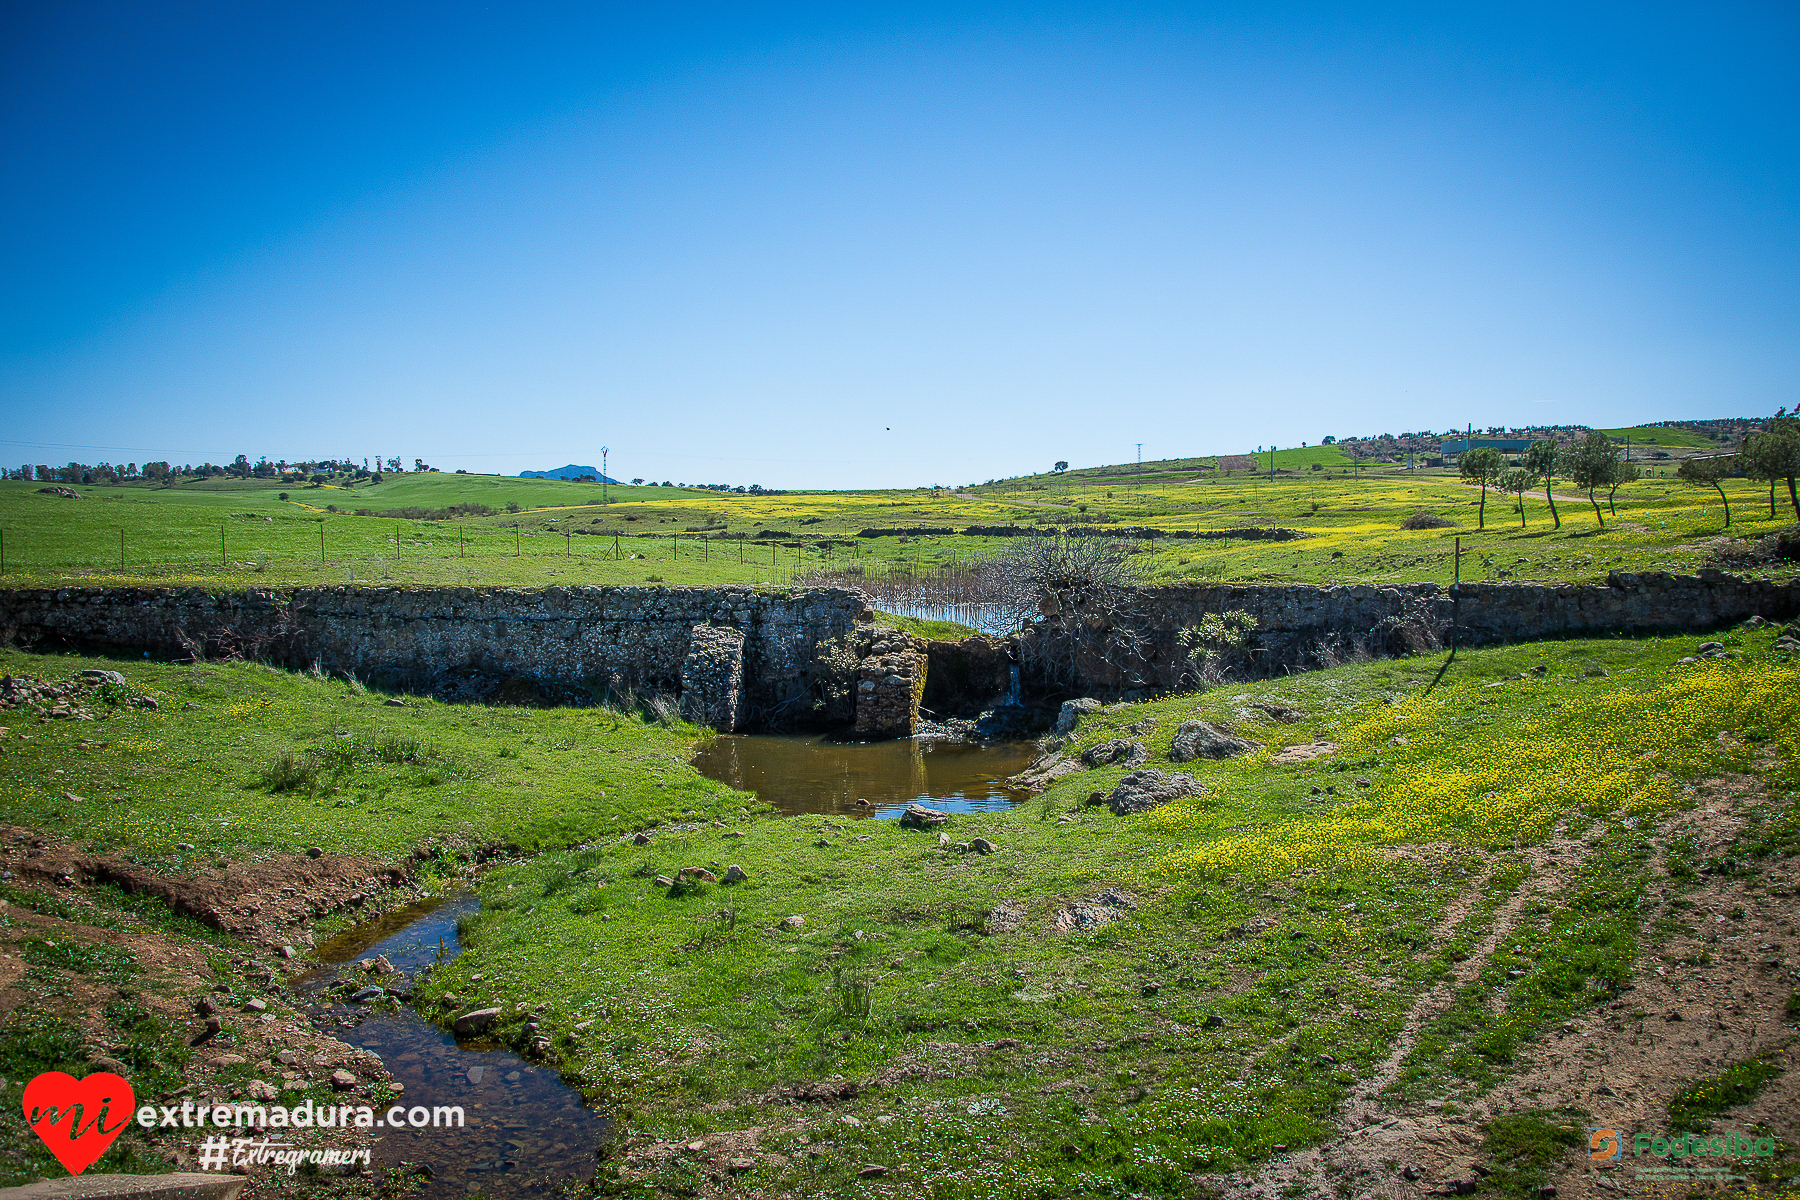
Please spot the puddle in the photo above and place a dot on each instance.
(813, 774)
(527, 1130)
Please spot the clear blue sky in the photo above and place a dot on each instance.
(855, 245)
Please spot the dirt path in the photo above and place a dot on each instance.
(1021, 503)
(1684, 1019)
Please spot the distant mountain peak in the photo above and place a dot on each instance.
(572, 471)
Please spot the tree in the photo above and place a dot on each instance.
(1515, 483)
(1707, 472)
(1624, 472)
(638, 482)
(1542, 459)
(1774, 455)
(1592, 462)
(1060, 467)
(1483, 466)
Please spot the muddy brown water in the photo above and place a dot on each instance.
(526, 1129)
(814, 774)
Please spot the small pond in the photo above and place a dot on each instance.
(814, 774)
(527, 1130)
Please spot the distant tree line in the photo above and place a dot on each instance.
(311, 471)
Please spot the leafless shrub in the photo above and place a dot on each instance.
(1425, 520)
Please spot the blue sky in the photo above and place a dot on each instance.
(849, 246)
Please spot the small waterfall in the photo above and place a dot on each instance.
(1012, 691)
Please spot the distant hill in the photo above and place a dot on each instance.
(569, 472)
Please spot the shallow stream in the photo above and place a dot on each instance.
(526, 1128)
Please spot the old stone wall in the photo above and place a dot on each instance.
(890, 683)
(469, 643)
(712, 677)
(1085, 648)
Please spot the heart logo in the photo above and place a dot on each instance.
(75, 1117)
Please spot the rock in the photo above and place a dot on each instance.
(110, 1065)
(475, 1021)
(1071, 714)
(1411, 1173)
(943, 839)
(1150, 989)
(393, 702)
(1304, 752)
(1143, 790)
(794, 922)
(313, 852)
(112, 677)
(1709, 647)
(735, 874)
(982, 846)
(342, 1080)
(1043, 771)
(256, 1006)
(184, 845)
(287, 1057)
(205, 1006)
(364, 995)
(258, 1089)
(700, 873)
(1278, 712)
(741, 1164)
(1093, 914)
(1119, 750)
(917, 816)
(286, 952)
(664, 881)
(1212, 1021)
(871, 1171)
(1204, 739)
(381, 965)
(641, 839)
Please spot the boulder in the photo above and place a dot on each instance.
(1121, 751)
(1204, 739)
(112, 677)
(917, 816)
(1141, 791)
(342, 1080)
(1044, 771)
(794, 922)
(475, 1021)
(1306, 751)
(735, 874)
(1071, 714)
(700, 873)
(258, 1089)
(982, 846)
(640, 839)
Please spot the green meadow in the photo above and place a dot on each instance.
(1103, 1003)
(242, 534)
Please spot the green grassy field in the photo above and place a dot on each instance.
(1270, 936)
(237, 535)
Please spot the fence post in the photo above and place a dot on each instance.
(517, 549)
(616, 552)
(462, 543)
(568, 545)
(321, 541)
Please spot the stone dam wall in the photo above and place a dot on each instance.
(1085, 647)
(738, 656)
(748, 658)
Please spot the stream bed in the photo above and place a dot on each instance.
(813, 774)
(526, 1130)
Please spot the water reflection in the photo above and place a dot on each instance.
(813, 774)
